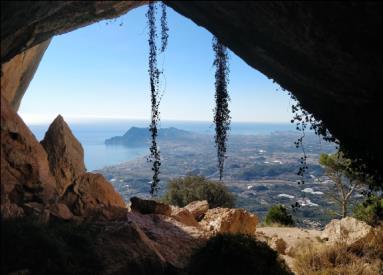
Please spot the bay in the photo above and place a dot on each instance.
(92, 135)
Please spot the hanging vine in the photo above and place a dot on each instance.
(154, 76)
(164, 28)
(302, 119)
(221, 112)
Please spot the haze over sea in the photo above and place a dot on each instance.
(92, 135)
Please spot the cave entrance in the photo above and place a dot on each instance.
(96, 78)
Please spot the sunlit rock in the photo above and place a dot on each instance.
(349, 230)
(65, 154)
(92, 194)
(228, 220)
(25, 174)
(198, 209)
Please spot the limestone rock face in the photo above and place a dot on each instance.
(227, 220)
(149, 207)
(92, 192)
(349, 230)
(25, 174)
(65, 154)
(198, 209)
(184, 216)
(18, 73)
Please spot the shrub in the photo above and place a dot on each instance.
(236, 254)
(370, 211)
(57, 248)
(278, 214)
(182, 191)
(363, 258)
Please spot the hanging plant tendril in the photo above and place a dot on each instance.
(154, 157)
(302, 119)
(155, 96)
(164, 28)
(221, 112)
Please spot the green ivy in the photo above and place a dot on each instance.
(221, 112)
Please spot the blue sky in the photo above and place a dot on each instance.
(100, 71)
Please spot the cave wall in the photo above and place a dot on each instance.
(329, 55)
(18, 73)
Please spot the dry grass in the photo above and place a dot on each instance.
(363, 258)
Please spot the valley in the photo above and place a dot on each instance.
(260, 170)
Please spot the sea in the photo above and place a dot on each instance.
(93, 134)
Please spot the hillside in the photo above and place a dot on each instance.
(140, 137)
(260, 170)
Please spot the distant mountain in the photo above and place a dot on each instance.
(136, 137)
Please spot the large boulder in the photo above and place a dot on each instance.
(348, 230)
(229, 220)
(123, 248)
(25, 174)
(65, 154)
(149, 207)
(198, 209)
(174, 240)
(92, 194)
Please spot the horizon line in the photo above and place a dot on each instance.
(38, 119)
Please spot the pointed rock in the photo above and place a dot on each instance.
(65, 154)
(25, 174)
